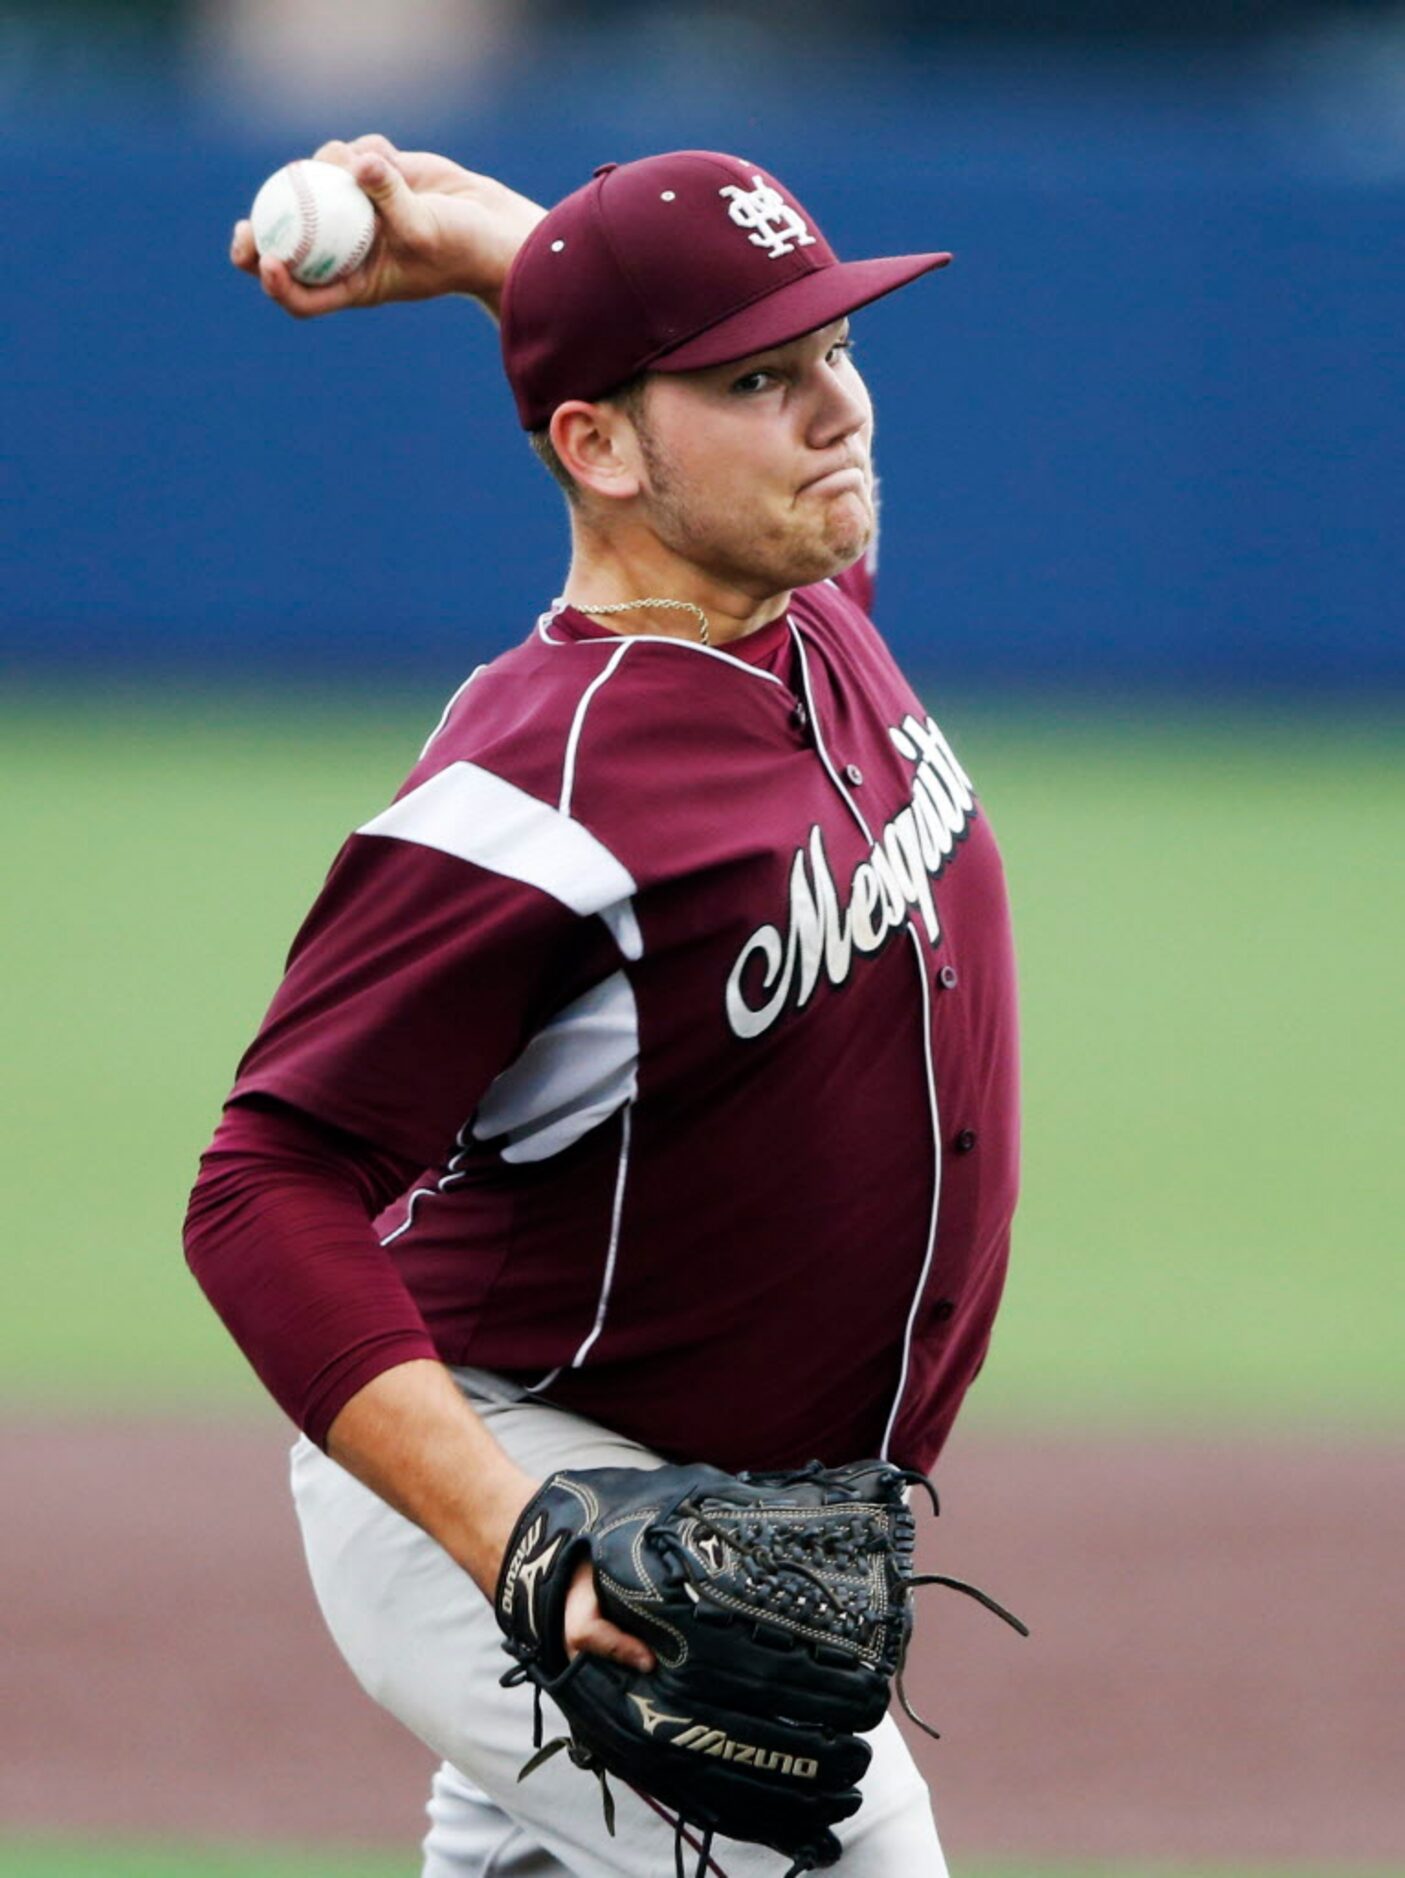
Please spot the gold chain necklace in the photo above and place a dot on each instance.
(630, 606)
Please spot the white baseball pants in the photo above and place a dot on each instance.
(423, 1641)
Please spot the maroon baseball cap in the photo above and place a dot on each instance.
(669, 264)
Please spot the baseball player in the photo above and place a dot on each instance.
(643, 1083)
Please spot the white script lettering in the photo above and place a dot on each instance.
(893, 883)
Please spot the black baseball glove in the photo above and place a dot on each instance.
(778, 1607)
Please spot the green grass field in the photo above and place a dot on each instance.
(47, 1859)
(1209, 915)
(51, 1859)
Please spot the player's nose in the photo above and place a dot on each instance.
(843, 406)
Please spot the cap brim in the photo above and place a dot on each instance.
(799, 306)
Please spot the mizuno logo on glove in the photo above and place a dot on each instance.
(526, 1571)
(651, 1716)
(703, 1740)
(770, 1760)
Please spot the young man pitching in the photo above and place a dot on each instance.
(643, 1083)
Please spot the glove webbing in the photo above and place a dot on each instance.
(767, 1560)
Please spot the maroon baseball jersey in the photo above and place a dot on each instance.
(686, 975)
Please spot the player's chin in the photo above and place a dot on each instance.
(846, 537)
(806, 570)
(826, 541)
(819, 548)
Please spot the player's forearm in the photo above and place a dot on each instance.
(411, 1437)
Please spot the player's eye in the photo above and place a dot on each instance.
(845, 344)
(751, 382)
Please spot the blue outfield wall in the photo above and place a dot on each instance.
(1146, 430)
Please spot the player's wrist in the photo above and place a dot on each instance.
(478, 266)
(413, 1438)
(490, 1517)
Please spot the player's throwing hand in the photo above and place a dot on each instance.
(439, 229)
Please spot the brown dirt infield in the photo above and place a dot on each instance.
(1215, 1671)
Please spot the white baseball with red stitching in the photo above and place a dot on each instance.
(313, 216)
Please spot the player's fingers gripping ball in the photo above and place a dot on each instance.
(778, 1608)
(313, 217)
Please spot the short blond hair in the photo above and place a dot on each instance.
(629, 395)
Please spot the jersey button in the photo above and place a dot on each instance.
(942, 1310)
(800, 717)
(853, 774)
(965, 1141)
(948, 978)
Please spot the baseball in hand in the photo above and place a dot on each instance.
(312, 216)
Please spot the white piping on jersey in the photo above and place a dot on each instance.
(555, 1126)
(544, 1103)
(576, 1071)
(932, 1105)
(544, 621)
(920, 1292)
(594, 1114)
(453, 1172)
(468, 812)
(568, 768)
(607, 1281)
(612, 1252)
(655, 639)
(822, 753)
(456, 1172)
(583, 1065)
(444, 714)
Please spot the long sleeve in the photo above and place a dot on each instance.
(279, 1236)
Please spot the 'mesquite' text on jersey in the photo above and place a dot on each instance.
(886, 889)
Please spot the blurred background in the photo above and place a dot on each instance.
(1144, 432)
(1143, 553)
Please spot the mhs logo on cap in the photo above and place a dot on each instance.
(774, 225)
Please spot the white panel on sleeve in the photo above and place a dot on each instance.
(469, 812)
(575, 1072)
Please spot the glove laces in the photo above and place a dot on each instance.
(914, 1579)
(803, 1862)
(680, 1840)
(580, 1757)
(583, 1758)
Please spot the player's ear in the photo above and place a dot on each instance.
(597, 445)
